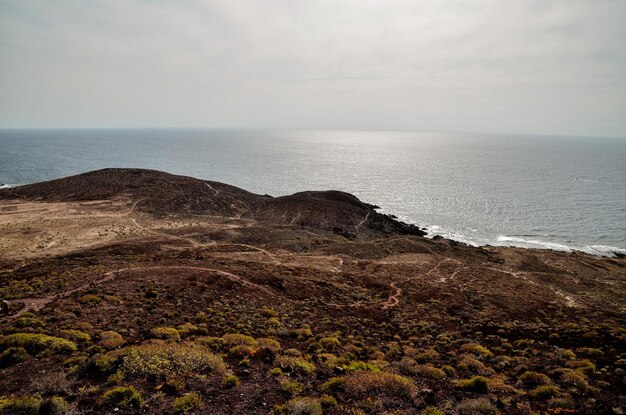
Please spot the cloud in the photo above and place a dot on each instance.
(552, 66)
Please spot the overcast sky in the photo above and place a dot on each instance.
(522, 66)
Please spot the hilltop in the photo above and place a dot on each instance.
(155, 293)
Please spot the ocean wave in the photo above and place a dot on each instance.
(522, 241)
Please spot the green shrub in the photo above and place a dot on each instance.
(54, 405)
(300, 406)
(328, 401)
(231, 340)
(362, 384)
(296, 365)
(123, 396)
(13, 356)
(271, 345)
(431, 410)
(29, 322)
(213, 343)
(76, 335)
(479, 406)
(368, 366)
(161, 359)
(111, 339)
(334, 385)
(477, 384)
(90, 299)
(35, 343)
(291, 387)
(476, 349)
(165, 333)
(189, 402)
(230, 381)
(24, 405)
(330, 343)
(544, 392)
(532, 379)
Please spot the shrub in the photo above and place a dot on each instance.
(544, 392)
(368, 366)
(476, 349)
(123, 396)
(213, 343)
(328, 401)
(532, 379)
(477, 384)
(54, 405)
(231, 340)
(76, 335)
(429, 371)
(13, 356)
(35, 343)
(291, 387)
(334, 385)
(363, 384)
(295, 365)
(265, 344)
(468, 363)
(187, 403)
(25, 405)
(431, 410)
(165, 333)
(111, 339)
(479, 406)
(230, 381)
(300, 406)
(590, 352)
(29, 322)
(90, 299)
(583, 366)
(330, 343)
(160, 359)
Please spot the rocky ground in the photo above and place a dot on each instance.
(140, 292)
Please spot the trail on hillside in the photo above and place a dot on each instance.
(37, 303)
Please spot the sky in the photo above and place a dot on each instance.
(520, 66)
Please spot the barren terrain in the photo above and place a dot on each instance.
(153, 293)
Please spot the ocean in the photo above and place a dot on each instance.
(564, 193)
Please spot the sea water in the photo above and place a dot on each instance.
(533, 191)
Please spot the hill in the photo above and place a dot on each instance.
(137, 291)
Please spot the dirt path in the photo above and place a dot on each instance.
(356, 228)
(37, 303)
(393, 299)
(34, 304)
(217, 192)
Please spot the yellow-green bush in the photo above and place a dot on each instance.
(13, 356)
(35, 343)
(478, 384)
(165, 333)
(54, 405)
(299, 406)
(532, 379)
(21, 405)
(231, 340)
(160, 359)
(362, 384)
(122, 396)
(476, 349)
(294, 364)
(189, 402)
(544, 392)
(230, 381)
(111, 339)
(76, 335)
